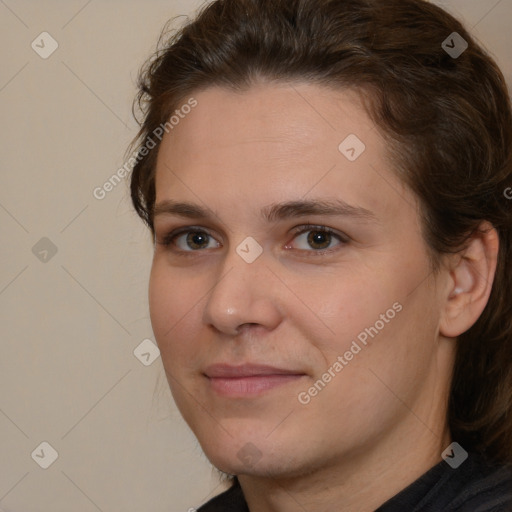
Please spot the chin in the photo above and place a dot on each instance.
(256, 455)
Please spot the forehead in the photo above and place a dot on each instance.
(294, 116)
(276, 142)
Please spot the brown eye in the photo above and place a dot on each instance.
(197, 240)
(319, 239)
(190, 240)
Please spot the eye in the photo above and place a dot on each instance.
(316, 238)
(190, 240)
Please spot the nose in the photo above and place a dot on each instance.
(245, 294)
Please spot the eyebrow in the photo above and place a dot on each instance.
(273, 212)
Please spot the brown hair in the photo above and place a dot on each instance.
(447, 120)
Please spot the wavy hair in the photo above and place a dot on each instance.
(446, 118)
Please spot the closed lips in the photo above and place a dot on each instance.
(247, 370)
(248, 380)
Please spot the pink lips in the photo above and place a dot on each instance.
(248, 379)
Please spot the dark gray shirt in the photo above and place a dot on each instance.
(475, 486)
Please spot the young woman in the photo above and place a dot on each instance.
(326, 182)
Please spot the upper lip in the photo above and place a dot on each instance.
(246, 370)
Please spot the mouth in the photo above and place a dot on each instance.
(248, 379)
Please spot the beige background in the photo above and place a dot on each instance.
(69, 325)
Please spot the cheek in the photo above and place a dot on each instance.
(343, 305)
(174, 305)
(373, 321)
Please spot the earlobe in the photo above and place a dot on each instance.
(470, 282)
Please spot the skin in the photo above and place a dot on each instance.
(380, 422)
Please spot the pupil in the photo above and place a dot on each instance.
(196, 240)
(319, 240)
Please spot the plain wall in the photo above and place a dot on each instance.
(70, 323)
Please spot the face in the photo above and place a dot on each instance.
(291, 293)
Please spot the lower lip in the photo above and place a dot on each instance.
(243, 386)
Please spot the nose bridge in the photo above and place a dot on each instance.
(243, 294)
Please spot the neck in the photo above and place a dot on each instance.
(356, 482)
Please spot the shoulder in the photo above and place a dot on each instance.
(483, 487)
(474, 486)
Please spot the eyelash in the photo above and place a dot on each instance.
(168, 239)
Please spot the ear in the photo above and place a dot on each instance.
(471, 274)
